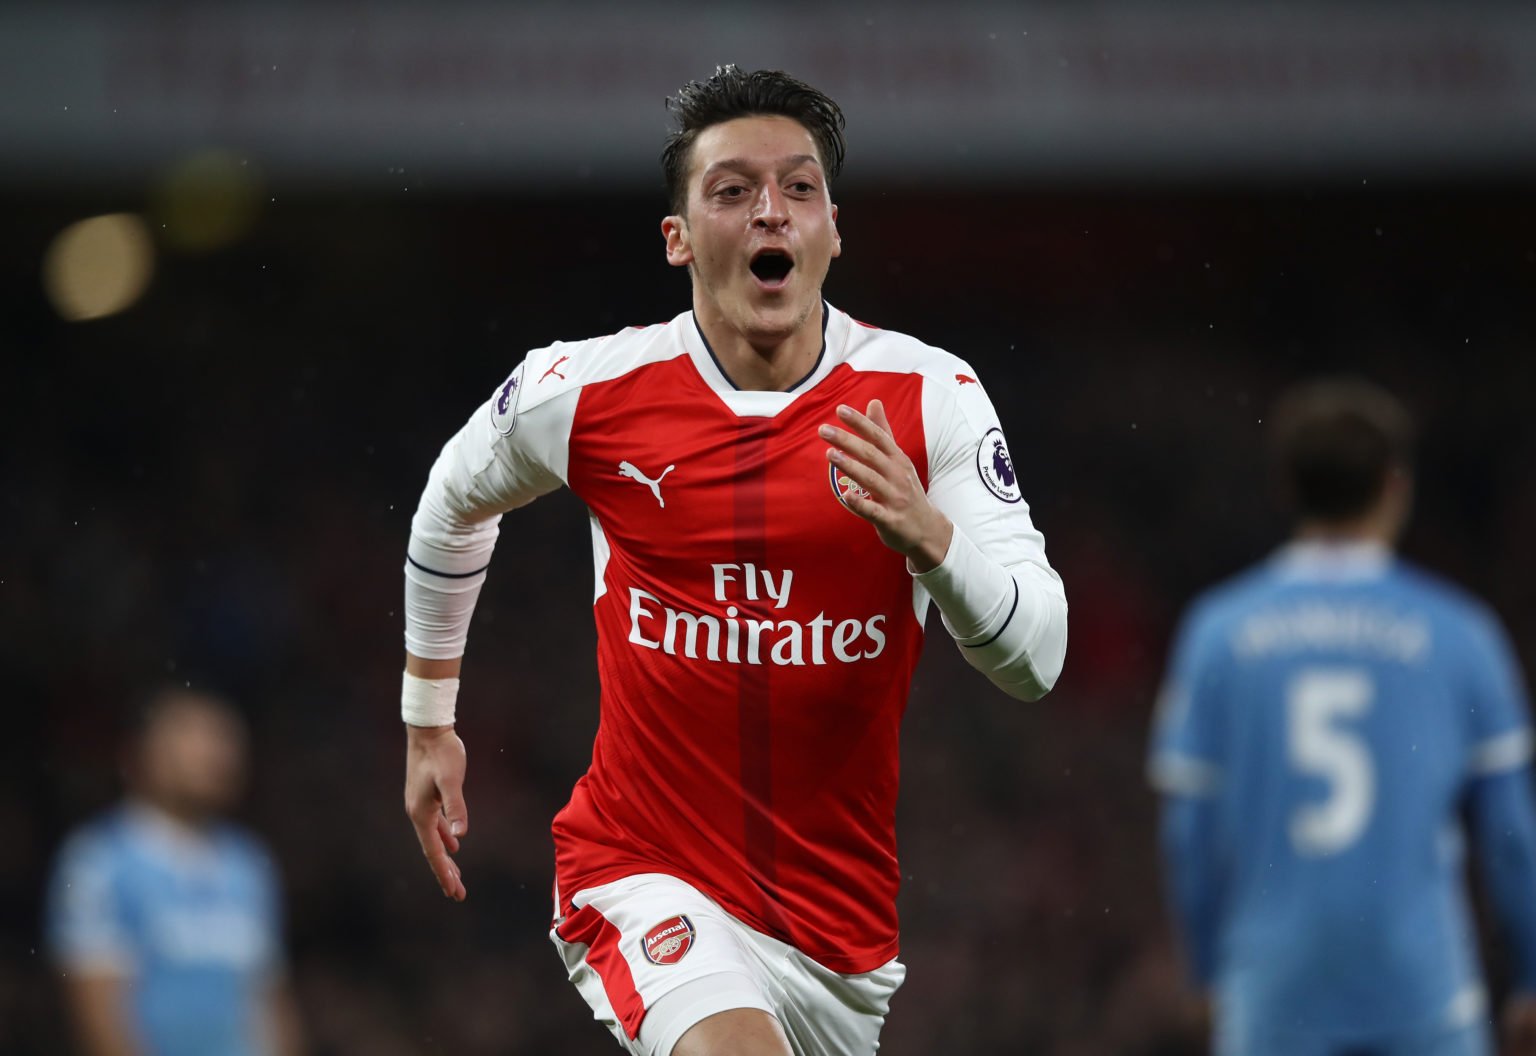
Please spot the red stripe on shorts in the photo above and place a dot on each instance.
(589, 927)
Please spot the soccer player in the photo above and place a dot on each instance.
(163, 919)
(777, 492)
(1327, 717)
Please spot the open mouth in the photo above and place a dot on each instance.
(772, 267)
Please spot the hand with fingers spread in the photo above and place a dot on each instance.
(434, 800)
(865, 450)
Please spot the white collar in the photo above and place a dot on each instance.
(748, 403)
(183, 843)
(1350, 560)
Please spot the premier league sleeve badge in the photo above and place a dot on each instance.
(995, 466)
(504, 403)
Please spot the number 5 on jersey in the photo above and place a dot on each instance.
(1320, 702)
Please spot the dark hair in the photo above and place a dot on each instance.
(1334, 442)
(730, 94)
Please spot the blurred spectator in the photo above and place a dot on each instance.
(163, 917)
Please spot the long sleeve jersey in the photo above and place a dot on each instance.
(756, 640)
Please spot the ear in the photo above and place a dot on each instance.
(837, 239)
(1397, 498)
(679, 249)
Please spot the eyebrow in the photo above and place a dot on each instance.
(746, 165)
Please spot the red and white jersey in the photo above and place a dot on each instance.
(756, 640)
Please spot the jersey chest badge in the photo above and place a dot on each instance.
(844, 486)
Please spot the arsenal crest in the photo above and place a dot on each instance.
(669, 941)
(844, 486)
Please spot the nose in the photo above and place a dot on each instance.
(770, 211)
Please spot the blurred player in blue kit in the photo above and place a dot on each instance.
(163, 919)
(1329, 717)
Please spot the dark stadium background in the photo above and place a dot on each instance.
(216, 485)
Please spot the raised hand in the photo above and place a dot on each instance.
(867, 453)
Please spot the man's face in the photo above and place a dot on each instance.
(760, 229)
(192, 759)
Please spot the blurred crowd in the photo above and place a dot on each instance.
(215, 487)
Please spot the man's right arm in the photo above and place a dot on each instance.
(1185, 767)
(1192, 875)
(92, 946)
(493, 464)
(446, 562)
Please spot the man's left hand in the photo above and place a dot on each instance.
(866, 452)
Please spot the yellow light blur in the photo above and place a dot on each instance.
(98, 267)
(206, 201)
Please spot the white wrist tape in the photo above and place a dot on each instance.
(428, 701)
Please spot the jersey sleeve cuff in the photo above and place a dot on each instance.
(976, 602)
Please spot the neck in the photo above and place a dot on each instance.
(1367, 529)
(770, 363)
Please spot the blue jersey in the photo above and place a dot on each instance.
(1325, 716)
(189, 919)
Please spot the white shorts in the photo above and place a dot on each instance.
(652, 956)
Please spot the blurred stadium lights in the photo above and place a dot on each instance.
(206, 201)
(98, 267)
(548, 94)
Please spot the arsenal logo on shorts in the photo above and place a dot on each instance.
(669, 941)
